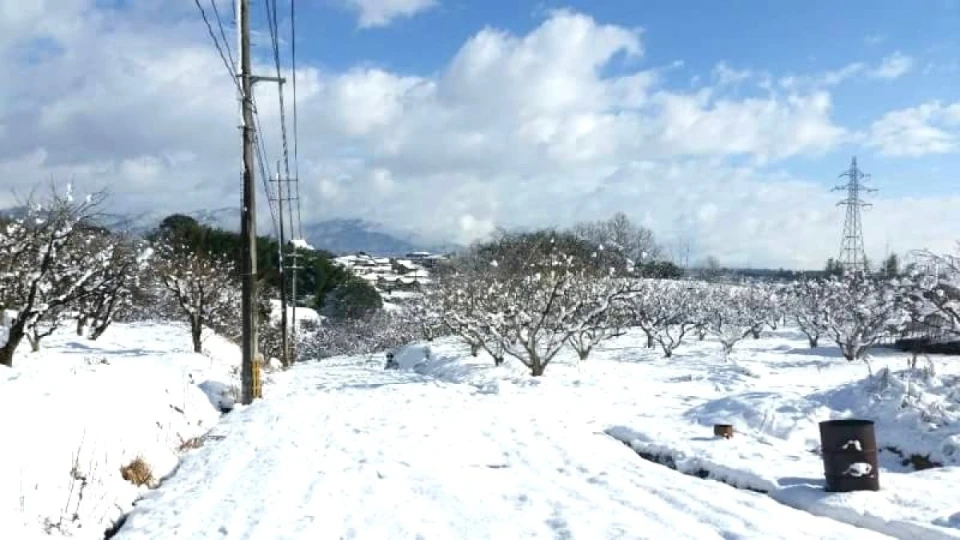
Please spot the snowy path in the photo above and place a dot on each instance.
(350, 451)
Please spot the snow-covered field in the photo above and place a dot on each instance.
(451, 447)
(79, 410)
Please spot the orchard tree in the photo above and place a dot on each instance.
(665, 311)
(935, 290)
(599, 319)
(202, 287)
(861, 310)
(116, 294)
(809, 306)
(39, 278)
(730, 316)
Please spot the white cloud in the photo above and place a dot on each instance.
(379, 13)
(893, 66)
(725, 75)
(515, 130)
(917, 131)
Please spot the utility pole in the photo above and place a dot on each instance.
(249, 372)
(248, 219)
(284, 354)
(852, 256)
(293, 293)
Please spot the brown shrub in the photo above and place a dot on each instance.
(138, 472)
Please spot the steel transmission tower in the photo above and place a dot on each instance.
(852, 256)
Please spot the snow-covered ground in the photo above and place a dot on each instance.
(451, 447)
(347, 450)
(77, 411)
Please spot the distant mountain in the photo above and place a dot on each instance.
(352, 235)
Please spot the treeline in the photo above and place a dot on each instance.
(321, 283)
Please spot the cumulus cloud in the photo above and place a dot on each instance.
(514, 130)
(929, 128)
(379, 13)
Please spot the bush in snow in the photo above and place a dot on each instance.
(138, 473)
(373, 334)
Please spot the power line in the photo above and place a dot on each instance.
(216, 43)
(296, 158)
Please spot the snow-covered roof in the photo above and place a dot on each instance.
(301, 243)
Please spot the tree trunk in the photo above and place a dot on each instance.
(474, 349)
(196, 329)
(650, 343)
(536, 366)
(583, 354)
(14, 337)
(34, 342)
(814, 341)
(498, 360)
(99, 329)
(81, 323)
(755, 333)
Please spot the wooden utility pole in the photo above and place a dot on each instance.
(248, 219)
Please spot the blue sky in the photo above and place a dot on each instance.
(719, 124)
(781, 38)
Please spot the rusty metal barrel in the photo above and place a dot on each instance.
(849, 449)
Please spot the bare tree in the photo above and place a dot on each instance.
(620, 234)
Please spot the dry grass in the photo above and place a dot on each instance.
(138, 472)
(190, 444)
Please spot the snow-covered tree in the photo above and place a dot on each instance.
(665, 311)
(115, 294)
(861, 310)
(202, 287)
(808, 305)
(598, 300)
(935, 291)
(730, 315)
(38, 277)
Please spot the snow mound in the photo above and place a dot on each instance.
(79, 410)
(787, 416)
(915, 411)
